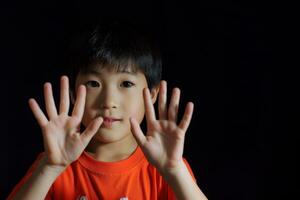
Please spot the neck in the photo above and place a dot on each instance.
(111, 152)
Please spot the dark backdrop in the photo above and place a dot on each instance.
(220, 53)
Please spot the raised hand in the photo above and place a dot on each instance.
(164, 141)
(63, 142)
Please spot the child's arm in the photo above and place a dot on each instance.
(63, 142)
(163, 144)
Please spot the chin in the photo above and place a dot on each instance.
(107, 136)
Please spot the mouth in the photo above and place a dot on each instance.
(109, 121)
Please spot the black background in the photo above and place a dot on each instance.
(220, 53)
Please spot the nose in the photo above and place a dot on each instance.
(108, 98)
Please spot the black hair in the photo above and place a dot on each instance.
(114, 43)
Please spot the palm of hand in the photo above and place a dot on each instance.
(62, 145)
(62, 140)
(164, 146)
(164, 141)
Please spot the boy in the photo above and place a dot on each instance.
(111, 158)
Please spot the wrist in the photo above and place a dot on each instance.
(55, 170)
(173, 171)
(51, 170)
(182, 183)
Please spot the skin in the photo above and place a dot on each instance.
(118, 95)
(164, 140)
(162, 145)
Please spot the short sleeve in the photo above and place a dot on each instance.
(27, 176)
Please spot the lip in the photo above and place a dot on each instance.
(109, 121)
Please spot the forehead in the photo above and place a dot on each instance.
(127, 67)
(100, 70)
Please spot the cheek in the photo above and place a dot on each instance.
(88, 115)
(137, 110)
(86, 119)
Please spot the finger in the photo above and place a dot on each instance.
(162, 101)
(38, 113)
(64, 95)
(137, 132)
(80, 102)
(91, 130)
(149, 109)
(49, 101)
(174, 104)
(187, 116)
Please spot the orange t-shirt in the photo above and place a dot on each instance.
(131, 179)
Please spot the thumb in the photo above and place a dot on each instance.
(137, 132)
(91, 130)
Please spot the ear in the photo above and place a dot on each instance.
(154, 93)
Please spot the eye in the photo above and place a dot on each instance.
(92, 84)
(127, 84)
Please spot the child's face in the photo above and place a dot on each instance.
(116, 96)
